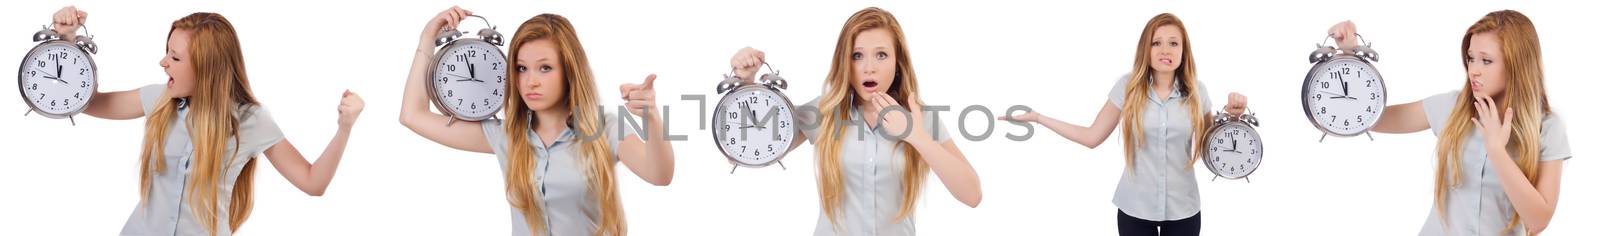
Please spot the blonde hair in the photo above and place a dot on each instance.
(581, 97)
(1134, 98)
(221, 88)
(835, 106)
(1524, 74)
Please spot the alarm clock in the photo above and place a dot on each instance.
(468, 74)
(1343, 94)
(57, 78)
(1233, 148)
(753, 124)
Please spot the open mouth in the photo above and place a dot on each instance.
(1476, 85)
(1166, 61)
(170, 81)
(870, 85)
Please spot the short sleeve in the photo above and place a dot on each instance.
(1553, 139)
(1205, 96)
(148, 95)
(1119, 92)
(619, 127)
(257, 130)
(1437, 109)
(807, 116)
(494, 132)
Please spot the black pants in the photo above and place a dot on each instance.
(1133, 226)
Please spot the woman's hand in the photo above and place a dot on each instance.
(641, 98)
(895, 122)
(746, 62)
(1024, 117)
(447, 19)
(1496, 132)
(68, 20)
(350, 106)
(1344, 33)
(1237, 104)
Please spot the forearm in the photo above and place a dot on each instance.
(1529, 203)
(952, 169)
(1078, 134)
(658, 150)
(414, 102)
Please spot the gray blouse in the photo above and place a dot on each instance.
(872, 167)
(569, 208)
(166, 212)
(1161, 184)
(1478, 206)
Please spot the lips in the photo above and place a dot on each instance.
(170, 81)
(1166, 61)
(1476, 85)
(870, 85)
(532, 96)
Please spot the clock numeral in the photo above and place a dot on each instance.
(82, 71)
(1358, 120)
(41, 63)
(496, 92)
(33, 73)
(486, 102)
(450, 93)
(1317, 96)
(1369, 82)
(34, 87)
(450, 67)
(499, 78)
(1322, 110)
(494, 66)
(1369, 108)
(472, 54)
(1374, 96)
(461, 57)
(85, 84)
(1324, 84)
(458, 101)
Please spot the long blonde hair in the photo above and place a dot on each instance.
(221, 89)
(1135, 96)
(1524, 76)
(583, 100)
(836, 104)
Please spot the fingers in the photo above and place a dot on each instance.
(1506, 125)
(649, 82)
(626, 89)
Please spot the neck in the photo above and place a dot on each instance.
(1164, 78)
(553, 119)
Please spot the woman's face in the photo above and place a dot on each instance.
(1166, 49)
(873, 62)
(539, 75)
(1486, 70)
(178, 64)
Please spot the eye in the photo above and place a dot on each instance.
(855, 56)
(1487, 61)
(883, 55)
(546, 68)
(1155, 43)
(521, 69)
(1173, 43)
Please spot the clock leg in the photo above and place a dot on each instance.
(780, 165)
(1247, 179)
(74, 121)
(1324, 137)
(1214, 177)
(735, 167)
(1369, 136)
(452, 120)
(30, 111)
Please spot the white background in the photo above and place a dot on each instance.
(1059, 58)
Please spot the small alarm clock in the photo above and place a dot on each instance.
(1233, 147)
(1343, 94)
(57, 78)
(469, 74)
(753, 123)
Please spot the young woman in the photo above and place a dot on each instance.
(557, 152)
(869, 185)
(1163, 110)
(203, 130)
(1500, 147)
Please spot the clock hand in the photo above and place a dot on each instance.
(463, 78)
(472, 71)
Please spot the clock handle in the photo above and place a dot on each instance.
(86, 40)
(489, 34)
(729, 81)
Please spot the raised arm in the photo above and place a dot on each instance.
(651, 160)
(414, 113)
(313, 178)
(1091, 136)
(119, 105)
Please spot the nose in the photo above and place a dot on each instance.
(164, 63)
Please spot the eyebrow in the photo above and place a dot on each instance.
(878, 47)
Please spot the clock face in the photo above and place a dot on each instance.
(754, 126)
(469, 79)
(1344, 96)
(1233, 150)
(57, 79)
